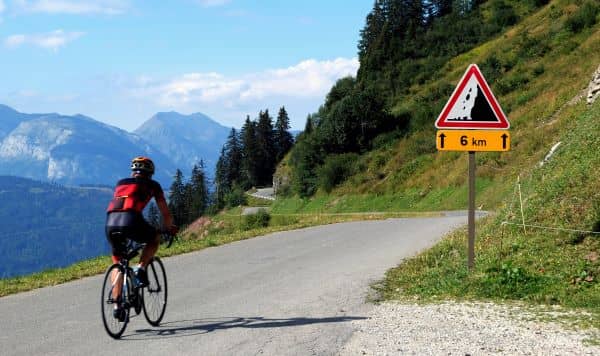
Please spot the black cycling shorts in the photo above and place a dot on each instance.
(129, 225)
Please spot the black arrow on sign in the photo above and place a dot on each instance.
(504, 137)
(442, 137)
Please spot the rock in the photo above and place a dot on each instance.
(594, 87)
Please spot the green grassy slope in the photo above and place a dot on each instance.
(535, 264)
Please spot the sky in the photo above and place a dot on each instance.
(121, 61)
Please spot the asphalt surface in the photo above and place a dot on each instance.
(290, 293)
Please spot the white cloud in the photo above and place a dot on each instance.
(300, 88)
(74, 7)
(52, 40)
(213, 3)
(2, 7)
(308, 79)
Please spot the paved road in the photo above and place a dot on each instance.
(283, 294)
(264, 193)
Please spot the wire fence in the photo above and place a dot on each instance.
(518, 193)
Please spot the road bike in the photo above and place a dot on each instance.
(122, 290)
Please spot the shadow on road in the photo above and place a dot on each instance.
(203, 326)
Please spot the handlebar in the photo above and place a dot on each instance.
(166, 236)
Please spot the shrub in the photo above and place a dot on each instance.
(235, 197)
(335, 170)
(491, 68)
(512, 83)
(510, 281)
(255, 221)
(503, 14)
(584, 17)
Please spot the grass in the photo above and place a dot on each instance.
(537, 266)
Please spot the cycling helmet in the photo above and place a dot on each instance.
(142, 165)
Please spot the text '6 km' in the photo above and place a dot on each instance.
(473, 140)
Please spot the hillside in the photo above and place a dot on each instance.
(47, 225)
(536, 69)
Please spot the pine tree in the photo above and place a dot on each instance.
(177, 199)
(309, 126)
(250, 152)
(283, 139)
(188, 218)
(199, 192)
(266, 149)
(234, 157)
(222, 185)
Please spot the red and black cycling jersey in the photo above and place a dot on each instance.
(132, 194)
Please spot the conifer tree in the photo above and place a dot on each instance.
(222, 186)
(234, 157)
(177, 199)
(266, 149)
(308, 127)
(283, 139)
(199, 192)
(250, 152)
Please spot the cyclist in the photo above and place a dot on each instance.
(125, 219)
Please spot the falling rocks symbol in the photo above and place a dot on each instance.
(478, 108)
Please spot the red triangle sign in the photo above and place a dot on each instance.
(472, 105)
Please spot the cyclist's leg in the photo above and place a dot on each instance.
(117, 241)
(149, 250)
(149, 236)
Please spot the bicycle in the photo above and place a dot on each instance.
(152, 299)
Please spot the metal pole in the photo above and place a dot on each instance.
(471, 261)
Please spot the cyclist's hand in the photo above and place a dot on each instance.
(173, 230)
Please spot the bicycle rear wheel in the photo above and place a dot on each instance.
(111, 298)
(155, 294)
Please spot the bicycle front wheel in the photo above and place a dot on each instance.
(113, 295)
(155, 294)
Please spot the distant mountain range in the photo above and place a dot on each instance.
(75, 150)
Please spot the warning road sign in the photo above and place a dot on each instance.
(472, 105)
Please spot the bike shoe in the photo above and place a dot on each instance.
(137, 305)
(142, 277)
(120, 314)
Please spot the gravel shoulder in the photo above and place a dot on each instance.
(451, 328)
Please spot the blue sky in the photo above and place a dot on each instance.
(120, 61)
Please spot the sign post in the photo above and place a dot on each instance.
(471, 219)
(472, 120)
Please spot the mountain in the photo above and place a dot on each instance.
(45, 225)
(71, 150)
(9, 119)
(186, 139)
